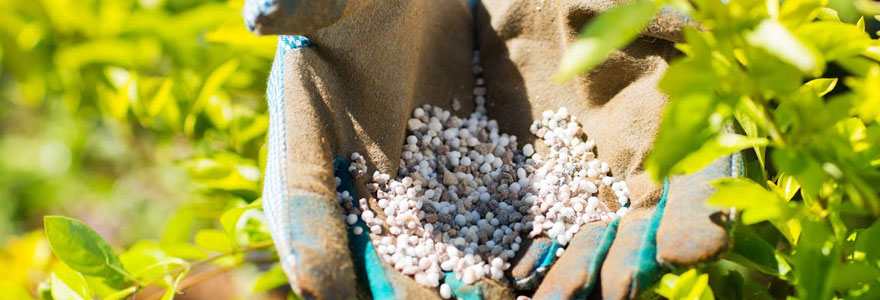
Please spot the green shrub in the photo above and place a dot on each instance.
(802, 90)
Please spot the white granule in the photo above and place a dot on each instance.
(465, 195)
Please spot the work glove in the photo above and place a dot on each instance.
(366, 64)
(620, 108)
(350, 85)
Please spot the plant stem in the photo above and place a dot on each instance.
(196, 263)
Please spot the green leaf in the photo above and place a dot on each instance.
(685, 128)
(721, 145)
(822, 85)
(146, 260)
(788, 186)
(214, 240)
(757, 203)
(209, 89)
(230, 218)
(69, 285)
(689, 285)
(855, 275)
(805, 169)
(9, 290)
(868, 242)
(794, 13)
(609, 31)
(828, 14)
(271, 279)
(777, 40)
(834, 40)
(171, 292)
(816, 260)
(122, 294)
(751, 251)
(83, 249)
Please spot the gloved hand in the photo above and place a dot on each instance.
(620, 107)
(372, 62)
(350, 88)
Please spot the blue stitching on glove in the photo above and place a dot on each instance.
(367, 265)
(461, 290)
(647, 267)
(599, 257)
(276, 202)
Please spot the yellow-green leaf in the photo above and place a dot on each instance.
(69, 285)
(822, 85)
(214, 240)
(83, 249)
(609, 31)
(778, 41)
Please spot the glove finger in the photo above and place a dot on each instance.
(299, 197)
(691, 231)
(630, 265)
(482, 289)
(291, 17)
(575, 273)
(531, 266)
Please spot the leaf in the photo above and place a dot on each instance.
(788, 186)
(609, 31)
(122, 294)
(748, 114)
(9, 290)
(822, 85)
(214, 240)
(684, 129)
(172, 289)
(723, 144)
(816, 260)
(209, 89)
(162, 98)
(828, 14)
(230, 218)
(751, 251)
(689, 285)
(271, 279)
(805, 169)
(777, 40)
(145, 259)
(868, 242)
(69, 285)
(757, 203)
(83, 249)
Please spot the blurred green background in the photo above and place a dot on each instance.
(129, 115)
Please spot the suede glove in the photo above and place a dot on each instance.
(620, 108)
(350, 86)
(369, 63)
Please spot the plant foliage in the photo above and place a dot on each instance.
(801, 89)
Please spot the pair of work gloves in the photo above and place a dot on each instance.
(347, 76)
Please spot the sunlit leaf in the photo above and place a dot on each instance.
(271, 279)
(230, 218)
(822, 85)
(172, 289)
(777, 40)
(214, 240)
(606, 33)
(685, 128)
(721, 145)
(122, 294)
(69, 285)
(816, 258)
(757, 203)
(83, 249)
